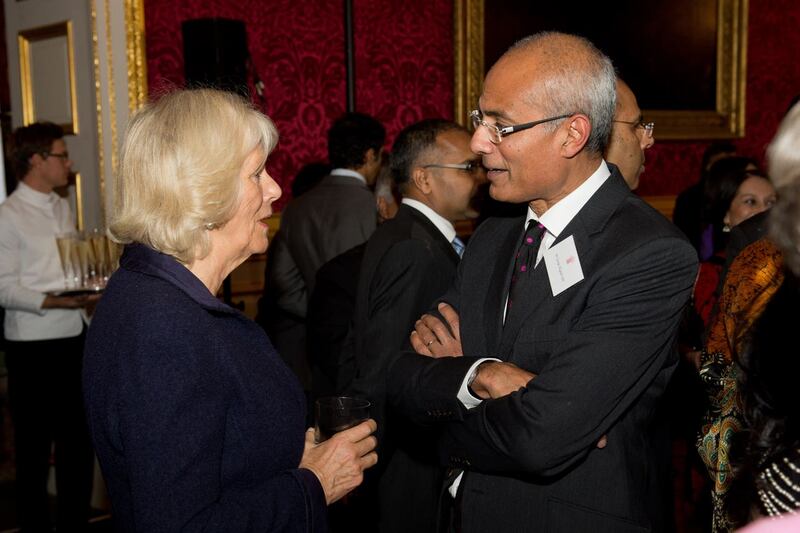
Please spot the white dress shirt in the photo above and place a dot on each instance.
(348, 172)
(30, 265)
(442, 224)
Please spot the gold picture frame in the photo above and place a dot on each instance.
(78, 202)
(47, 76)
(137, 58)
(726, 120)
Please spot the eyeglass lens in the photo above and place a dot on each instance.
(494, 131)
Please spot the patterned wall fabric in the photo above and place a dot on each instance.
(404, 63)
(404, 71)
(404, 60)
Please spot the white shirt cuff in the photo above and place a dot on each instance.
(464, 396)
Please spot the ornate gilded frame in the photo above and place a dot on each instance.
(137, 59)
(56, 34)
(727, 120)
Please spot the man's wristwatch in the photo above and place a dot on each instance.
(471, 378)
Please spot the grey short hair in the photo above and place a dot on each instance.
(587, 85)
(179, 169)
(384, 181)
(783, 160)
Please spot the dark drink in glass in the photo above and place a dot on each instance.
(337, 413)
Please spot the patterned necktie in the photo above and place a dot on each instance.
(458, 246)
(525, 260)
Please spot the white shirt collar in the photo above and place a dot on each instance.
(442, 224)
(34, 197)
(561, 214)
(348, 172)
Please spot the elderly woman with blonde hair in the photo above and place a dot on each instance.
(197, 423)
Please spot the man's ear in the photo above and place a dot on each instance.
(574, 137)
(35, 159)
(421, 180)
(370, 156)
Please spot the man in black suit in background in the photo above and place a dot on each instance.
(409, 262)
(332, 304)
(564, 320)
(332, 217)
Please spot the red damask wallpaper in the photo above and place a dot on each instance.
(404, 71)
(404, 63)
(404, 60)
(773, 79)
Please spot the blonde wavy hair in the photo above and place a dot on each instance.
(179, 169)
(783, 159)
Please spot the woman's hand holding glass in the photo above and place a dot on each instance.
(340, 461)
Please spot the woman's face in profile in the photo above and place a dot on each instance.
(755, 195)
(246, 232)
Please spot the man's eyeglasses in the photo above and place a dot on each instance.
(472, 166)
(62, 155)
(496, 134)
(648, 127)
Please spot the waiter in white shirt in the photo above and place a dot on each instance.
(43, 336)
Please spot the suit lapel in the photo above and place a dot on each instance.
(434, 236)
(585, 228)
(498, 286)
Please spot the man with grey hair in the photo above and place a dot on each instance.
(560, 325)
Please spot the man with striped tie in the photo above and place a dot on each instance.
(409, 262)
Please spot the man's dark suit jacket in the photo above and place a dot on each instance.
(330, 315)
(688, 213)
(407, 265)
(331, 218)
(334, 216)
(603, 351)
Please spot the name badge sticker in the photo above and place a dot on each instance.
(563, 266)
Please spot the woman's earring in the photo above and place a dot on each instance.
(726, 229)
(210, 225)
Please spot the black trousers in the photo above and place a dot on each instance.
(44, 386)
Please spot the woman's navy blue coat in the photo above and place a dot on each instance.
(197, 423)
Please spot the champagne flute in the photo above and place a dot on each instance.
(65, 243)
(99, 243)
(85, 261)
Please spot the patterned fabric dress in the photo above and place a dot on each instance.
(754, 276)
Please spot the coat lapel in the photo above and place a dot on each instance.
(433, 234)
(498, 286)
(584, 228)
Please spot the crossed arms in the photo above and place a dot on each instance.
(611, 353)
